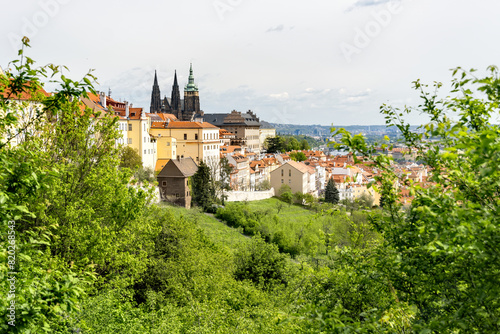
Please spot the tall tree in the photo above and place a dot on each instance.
(130, 158)
(275, 144)
(331, 192)
(304, 145)
(224, 181)
(203, 187)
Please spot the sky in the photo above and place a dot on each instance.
(292, 62)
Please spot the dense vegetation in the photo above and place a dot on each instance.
(287, 143)
(90, 253)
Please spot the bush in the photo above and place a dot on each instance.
(283, 189)
(264, 185)
(287, 197)
(261, 263)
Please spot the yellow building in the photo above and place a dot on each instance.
(133, 125)
(198, 140)
(166, 146)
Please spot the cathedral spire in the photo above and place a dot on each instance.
(155, 97)
(175, 79)
(175, 100)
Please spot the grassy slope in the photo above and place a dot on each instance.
(217, 231)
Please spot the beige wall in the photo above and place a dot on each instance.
(286, 174)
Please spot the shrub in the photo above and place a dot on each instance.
(261, 263)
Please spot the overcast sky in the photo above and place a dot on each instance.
(303, 62)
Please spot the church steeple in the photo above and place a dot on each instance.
(155, 97)
(191, 98)
(191, 87)
(175, 100)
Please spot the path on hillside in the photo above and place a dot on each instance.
(223, 222)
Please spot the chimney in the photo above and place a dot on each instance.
(102, 96)
(127, 110)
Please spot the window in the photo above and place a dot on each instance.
(177, 195)
(282, 172)
(130, 140)
(196, 136)
(130, 127)
(289, 181)
(197, 158)
(144, 139)
(289, 172)
(144, 151)
(144, 126)
(164, 183)
(282, 181)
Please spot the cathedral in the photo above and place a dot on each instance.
(184, 109)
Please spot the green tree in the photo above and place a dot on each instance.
(224, 181)
(291, 144)
(261, 263)
(202, 186)
(50, 284)
(287, 197)
(298, 156)
(441, 256)
(298, 197)
(275, 144)
(304, 145)
(130, 158)
(283, 189)
(264, 185)
(331, 192)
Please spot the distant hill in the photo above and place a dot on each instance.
(325, 131)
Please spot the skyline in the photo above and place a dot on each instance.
(290, 62)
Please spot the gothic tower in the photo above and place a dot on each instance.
(175, 101)
(155, 97)
(191, 98)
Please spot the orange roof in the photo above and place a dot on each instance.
(256, 163)
(230, 148)
(189, 125)
(157, 125)
(24, 96)
(160, 163)
(166, 116)
(301, 167)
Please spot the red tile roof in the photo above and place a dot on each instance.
(189, 125)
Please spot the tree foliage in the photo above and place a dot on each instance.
(441, 256)
(298, 156)
(331, 192)
(203, 187)
(130, 158)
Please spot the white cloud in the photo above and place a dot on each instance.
(281, 96)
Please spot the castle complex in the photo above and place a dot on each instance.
(184, 109)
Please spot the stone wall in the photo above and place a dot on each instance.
(240, 196)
